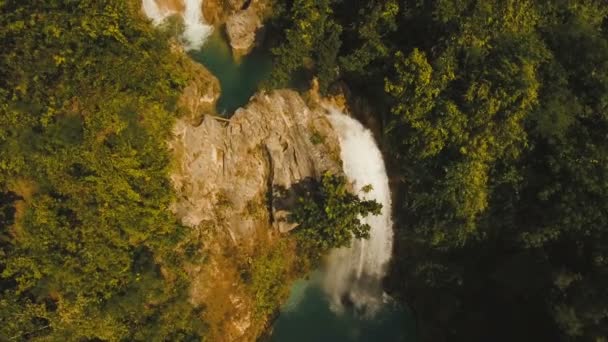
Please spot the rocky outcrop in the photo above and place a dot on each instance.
(241, 28)
(226, 174)
(275, 142)
(243, 19)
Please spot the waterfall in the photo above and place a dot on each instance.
(354, 274)
(153, 12)
(196, 30)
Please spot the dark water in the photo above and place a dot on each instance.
(239, 80)
(307, 317)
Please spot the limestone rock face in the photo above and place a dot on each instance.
(273, 143)
(225, 176)
(243, 19)
(238, 4)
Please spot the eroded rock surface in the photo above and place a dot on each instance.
(241, 28)
(225, 175)
(275, 142)
(243, 19)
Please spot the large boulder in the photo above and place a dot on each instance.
(241, 28)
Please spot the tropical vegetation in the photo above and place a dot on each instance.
(495, 124)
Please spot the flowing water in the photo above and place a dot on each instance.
(154, 12)
(344, 301)
(196, 30)
(355, 273)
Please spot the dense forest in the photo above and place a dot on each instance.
(495, 124)
(88, 249)
(494, 118)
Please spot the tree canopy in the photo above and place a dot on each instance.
(88, 249)
(329, 215)
(494, 118)
(495, 123)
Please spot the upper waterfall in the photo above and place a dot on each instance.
(196, 30)
(355, 273)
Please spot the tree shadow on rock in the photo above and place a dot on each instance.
(282, 200)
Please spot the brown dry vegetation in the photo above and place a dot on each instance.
(25, 189)
(231, 286)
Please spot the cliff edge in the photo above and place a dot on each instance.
(226, 174)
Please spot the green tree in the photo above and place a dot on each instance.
(329, 216)
(85, 112)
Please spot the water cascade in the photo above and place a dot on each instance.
(155, 13)
(196, 30)
(354, 274)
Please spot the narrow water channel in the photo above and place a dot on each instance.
(239, 80)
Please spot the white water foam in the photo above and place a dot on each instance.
(155, 13)
(196, 30)
(354, 274)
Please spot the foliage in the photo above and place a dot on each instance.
(86, 103)
(329, 216)
(313, 38)
(270, 278)
(495, 124)
(497, 130)
(311, 32)
(461, 114)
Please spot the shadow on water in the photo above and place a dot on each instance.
(307, 317)
(239, 80)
